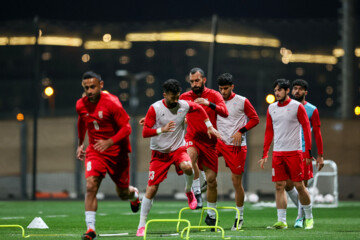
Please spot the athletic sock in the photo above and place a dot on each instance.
(146, 205)
(308, 211)
(90, 219)
(300, 210)
(188, 181)
(294, 196)
(196, 185)
(203, 174)
(211, 212)
(241, 210)
(281, 213)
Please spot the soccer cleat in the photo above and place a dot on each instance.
(204, 187)
(210, 222)
(89, 235)
(135, 205)
(278, 225)
(140, 232)
(198, 200)
(233, 228)
(299, 223)
(191, 200)
(309, 223)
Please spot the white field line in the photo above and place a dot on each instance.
(9, 218)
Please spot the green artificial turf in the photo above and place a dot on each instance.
(66, 221)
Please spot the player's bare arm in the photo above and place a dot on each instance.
(101, 144)
(262, 162)
(319, 162)
(202, 101)
(237, 138)
(142, 121)
(169, 127)
(80, 152)
(213, 131)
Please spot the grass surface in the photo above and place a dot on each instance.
(66, 221)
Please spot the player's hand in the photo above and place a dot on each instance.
(142, 121)
(185, 120)
(262, 162)
(80, 153)
(237, 139)
(319, 162)
(212, 130)
(202, 101)
(308, 161)
(169, 127)
(101, 145)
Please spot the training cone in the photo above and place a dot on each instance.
(38, 223)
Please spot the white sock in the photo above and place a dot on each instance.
(146, 205)
(196, 185)
(188, 181)
(300, 210)
(241, 210)
(90, 219)
(281, 213)
(211, 212)
(203, 174)
(308, 211)
(294, 196)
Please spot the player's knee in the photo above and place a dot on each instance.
(211, 182)
(280, 186)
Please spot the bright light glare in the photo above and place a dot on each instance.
(270, 98)
(49, 91)
(357, 110)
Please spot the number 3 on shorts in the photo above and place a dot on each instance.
(151, 175)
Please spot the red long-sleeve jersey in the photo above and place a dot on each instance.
(198, 131)
(103, 120)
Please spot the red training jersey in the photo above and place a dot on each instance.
(198, 131)
(103, 120)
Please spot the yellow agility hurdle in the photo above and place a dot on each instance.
(238, 212)
(16, 226)
(170, 220)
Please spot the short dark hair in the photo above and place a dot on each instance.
(301, 83)
(172, 85)
(282, 82)
(225, 79)
(195, 70)
(91, 74)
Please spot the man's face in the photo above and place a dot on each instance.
(299, 93)
(92, 87)
(171, 99)
(226, 91)
(280, 93)
(197, 82)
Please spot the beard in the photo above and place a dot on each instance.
(172, 105)
(198, 90)
(299, 98)
(281, 99)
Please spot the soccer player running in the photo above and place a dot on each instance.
(103, 117)
(164, 123)
(233, 132)
(201, 148)
(299, 91)
(284, 120)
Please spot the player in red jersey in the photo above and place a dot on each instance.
(233, 130)
(299, 91)
(202, 149)
(107, 123)
(164, 123)
(284, 121)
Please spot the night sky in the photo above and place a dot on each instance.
(136, 10)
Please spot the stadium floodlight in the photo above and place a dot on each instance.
(270, 98)
(357, 110)
(49, 91)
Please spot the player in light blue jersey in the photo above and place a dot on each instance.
(299, 91)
